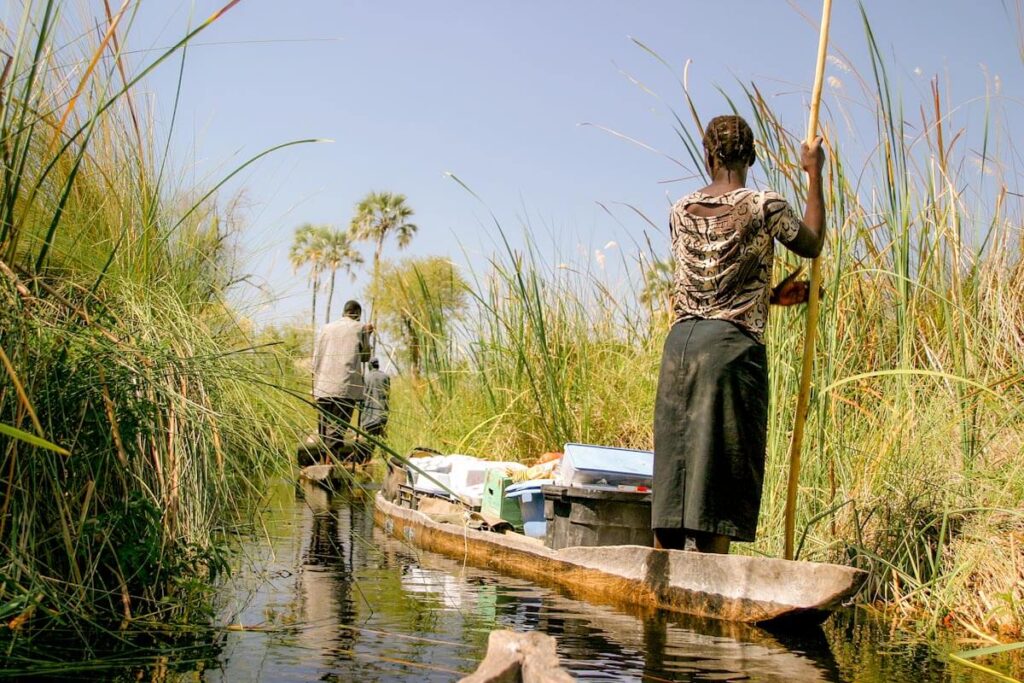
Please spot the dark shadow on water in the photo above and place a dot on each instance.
(58, 655)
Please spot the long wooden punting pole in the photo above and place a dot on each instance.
(812, 306)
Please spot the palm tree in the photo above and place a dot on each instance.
(378, 216)
(307, 250)
(658, 281)
(338, 252)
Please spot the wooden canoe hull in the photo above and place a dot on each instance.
(329, 476)
(730, 587)
(335, 477)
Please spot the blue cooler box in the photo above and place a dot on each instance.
(531, 503)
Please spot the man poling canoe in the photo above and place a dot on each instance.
(711, 409)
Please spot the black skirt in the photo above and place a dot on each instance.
(710, 430)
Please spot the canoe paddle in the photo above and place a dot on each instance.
(803, 394)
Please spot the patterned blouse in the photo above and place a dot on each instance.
(723, 264)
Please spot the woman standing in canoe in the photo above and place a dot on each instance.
(711, 411)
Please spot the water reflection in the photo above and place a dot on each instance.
(325, 580)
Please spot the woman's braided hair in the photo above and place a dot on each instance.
(729, 140)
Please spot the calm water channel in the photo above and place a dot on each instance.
(330, 598)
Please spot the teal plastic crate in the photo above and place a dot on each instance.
(494, 500)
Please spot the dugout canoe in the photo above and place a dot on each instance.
(328, 476)
(333, 477)
(729, 587)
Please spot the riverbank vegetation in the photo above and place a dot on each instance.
(912, 463)
(137, 414)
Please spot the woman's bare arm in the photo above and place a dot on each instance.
(811, 238)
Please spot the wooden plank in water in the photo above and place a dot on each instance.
(527, 657)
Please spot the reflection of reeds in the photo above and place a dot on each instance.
(117, 345)
(916, 427)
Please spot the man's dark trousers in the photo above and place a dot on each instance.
(335, 418)
(366, 447)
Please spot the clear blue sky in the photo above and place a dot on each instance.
(495, 92)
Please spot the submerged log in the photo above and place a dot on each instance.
(519, 657)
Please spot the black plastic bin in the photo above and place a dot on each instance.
(595, 517)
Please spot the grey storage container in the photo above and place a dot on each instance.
(596, 517)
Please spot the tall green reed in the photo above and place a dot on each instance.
(123, 349)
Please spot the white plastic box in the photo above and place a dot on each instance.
(463, 475)
(585, 465)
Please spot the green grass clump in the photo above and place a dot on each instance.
(137, 413)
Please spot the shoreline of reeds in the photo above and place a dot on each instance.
(138, 414)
